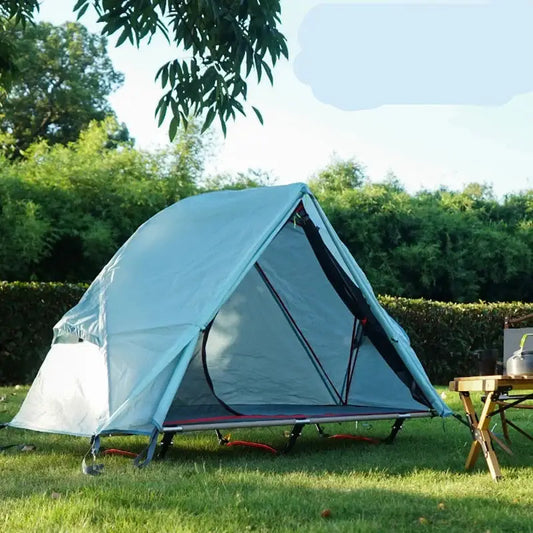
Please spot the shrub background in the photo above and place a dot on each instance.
(444, 335)
(29, 312)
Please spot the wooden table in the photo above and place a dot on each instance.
(494, 388)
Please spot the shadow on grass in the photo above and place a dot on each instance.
(218, 501)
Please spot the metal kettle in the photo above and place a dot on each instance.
(521, 362)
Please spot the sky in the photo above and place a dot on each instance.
(438, 92)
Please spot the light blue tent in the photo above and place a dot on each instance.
(232, 308)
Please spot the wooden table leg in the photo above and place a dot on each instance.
(481, 435)
(473, 422)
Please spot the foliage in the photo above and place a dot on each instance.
(64, 210)
(23, 236)
(8, 68)
(13, 13)
(225, 42)
(65, 77)
(241, 180)
(338, 176)
(446, 336)
(441, 245)
(74, 205)
(220, 42)
(29, 310)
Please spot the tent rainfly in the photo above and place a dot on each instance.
(227, 309)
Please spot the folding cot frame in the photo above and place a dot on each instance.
(298, 422)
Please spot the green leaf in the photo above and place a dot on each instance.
(81, 11)
(79, 4)
(126, 34)
(249, 60)
(164, 77)
(211, 114)
(162, 108)
(222, 124)
(258, 114)
(173, 127)
(268, 73)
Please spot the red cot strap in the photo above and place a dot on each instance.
(124, 453)
(355, 437)
(252, 445)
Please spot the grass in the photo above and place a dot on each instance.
(417, 484)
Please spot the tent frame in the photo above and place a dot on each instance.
(292, 421)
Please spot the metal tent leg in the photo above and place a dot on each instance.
(321, 432)
(398, 423)
(221, 440)
(166, 443)
(295, 433)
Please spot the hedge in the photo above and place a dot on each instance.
(28, 312)
(444, 335)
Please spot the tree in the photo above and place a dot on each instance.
(338, 176)
(441, 245)
(222, 43)
(12, 13)
(66, 77)
(64, 210)
(242, 180)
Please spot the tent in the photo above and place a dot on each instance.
(231, 308)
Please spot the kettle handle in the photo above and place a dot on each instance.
(523, 340)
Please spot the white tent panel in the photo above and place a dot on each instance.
(70, 392)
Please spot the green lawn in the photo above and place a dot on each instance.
(418, 483)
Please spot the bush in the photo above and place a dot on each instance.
(29, 311)
(444, 335)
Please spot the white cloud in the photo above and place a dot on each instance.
(362, 56)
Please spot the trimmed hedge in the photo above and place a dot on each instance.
(28, 313)
(444, 335)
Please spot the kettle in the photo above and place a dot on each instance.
(521, 362)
